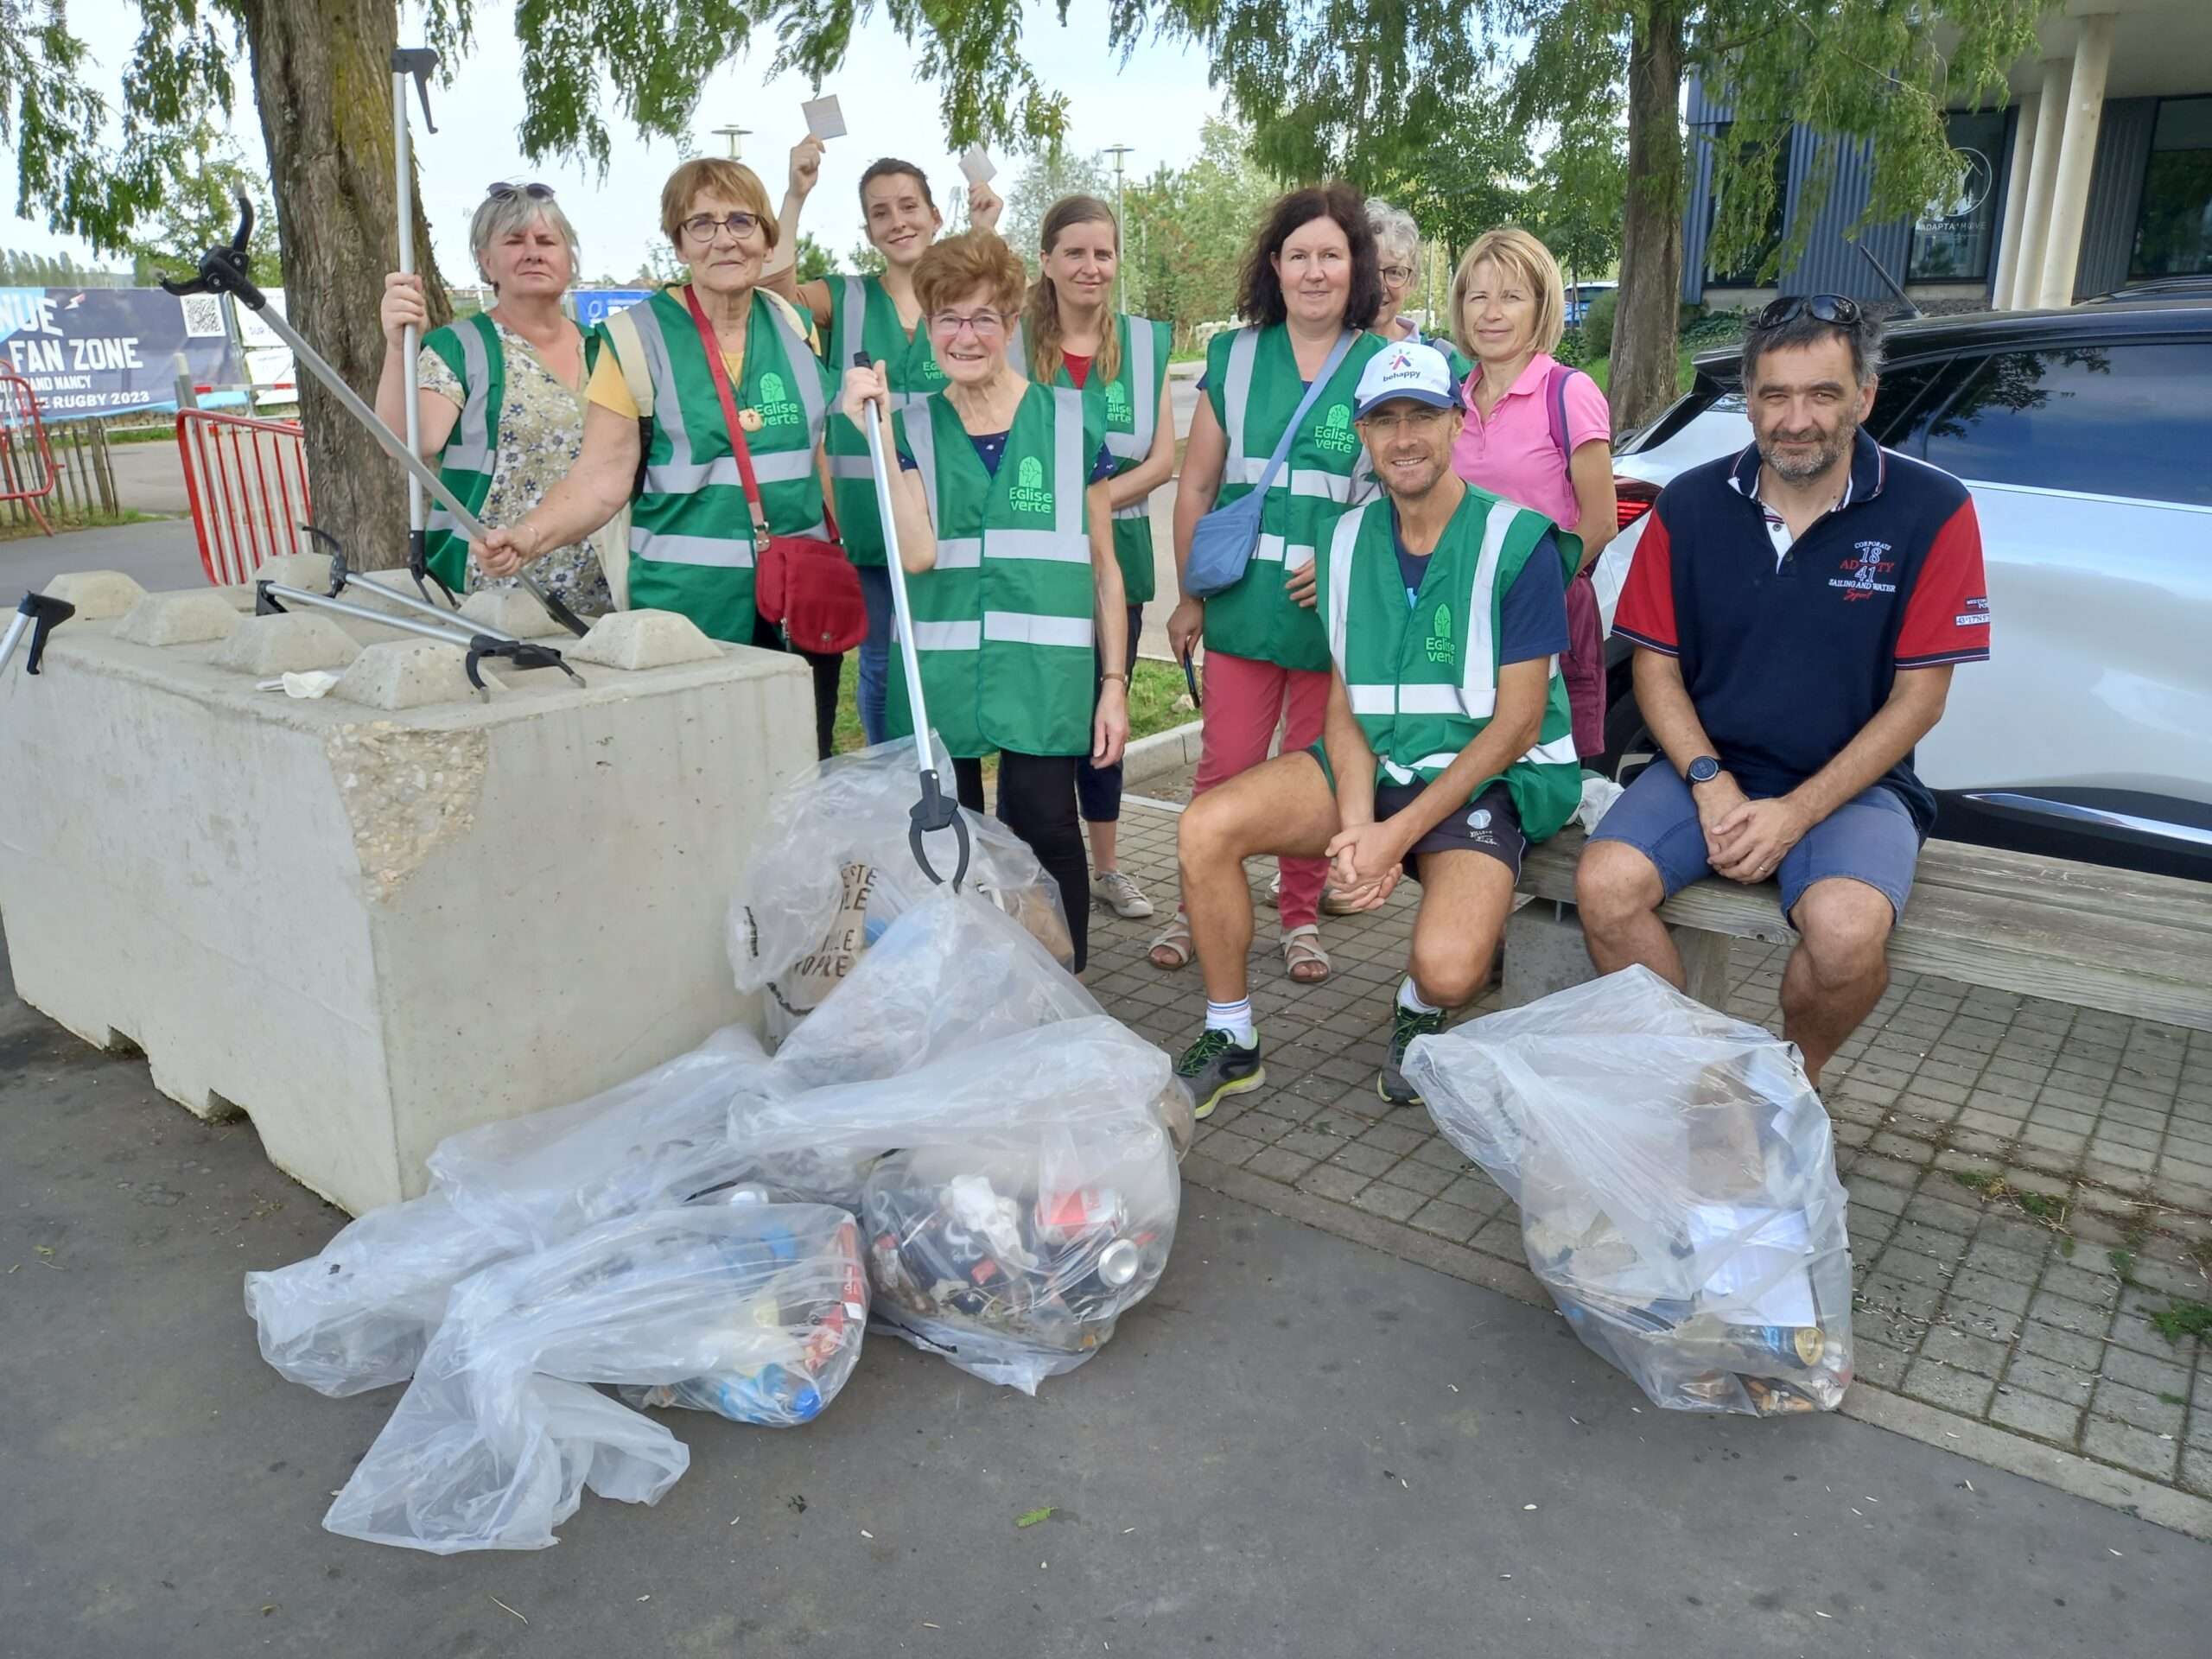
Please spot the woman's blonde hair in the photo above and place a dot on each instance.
(956, 266)
(1041, 317)
(1517, 254)
(715, 176)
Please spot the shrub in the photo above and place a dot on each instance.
(1598, 325)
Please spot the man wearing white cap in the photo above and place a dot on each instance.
(1447, 749)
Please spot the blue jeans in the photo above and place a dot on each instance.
(875, 649)
(1869, 838)
(1098, 789)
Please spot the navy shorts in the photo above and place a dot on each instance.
(1491, 824)
(1869, 838)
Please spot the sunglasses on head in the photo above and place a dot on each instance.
(504, 192)
(1822, 308)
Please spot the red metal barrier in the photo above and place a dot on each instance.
(247, 481)
(26, 462)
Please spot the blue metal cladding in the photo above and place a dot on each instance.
(1706, 116)
(2115, 194)
(1831, 265)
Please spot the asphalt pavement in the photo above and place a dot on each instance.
(1297, 1447)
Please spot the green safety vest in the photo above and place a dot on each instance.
(470, 347)
(864, 318)
(690, 532)
(1422, 682)
(1252, 379)
(1002, 623)
(1130, 403)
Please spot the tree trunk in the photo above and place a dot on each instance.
(1642, 381)
(322, 80)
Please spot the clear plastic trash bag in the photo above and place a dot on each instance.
(1040, 1166)
(755, 1310)
(1676, 1179)
(356, 1315)
(832, 868)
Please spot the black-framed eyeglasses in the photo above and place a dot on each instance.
(700, 227)
(1837, 309)
(504, 191)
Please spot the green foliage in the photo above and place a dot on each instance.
(54, 271)
(814, 261)
(1598, 323)
(201, 209)
(2179, 1320)
(1187, 230)
(864, 259)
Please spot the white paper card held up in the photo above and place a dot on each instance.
(824, 118)
(975, 162)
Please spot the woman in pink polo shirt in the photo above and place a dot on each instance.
(1537, 433)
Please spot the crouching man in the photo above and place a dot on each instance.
(1446, 749)
(1796, 612)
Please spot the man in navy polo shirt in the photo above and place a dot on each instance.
(1796, 612)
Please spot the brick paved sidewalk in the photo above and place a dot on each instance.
(2031, 1183)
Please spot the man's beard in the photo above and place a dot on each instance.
(1800, 469)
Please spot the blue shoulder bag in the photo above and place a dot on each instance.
(1222, 542)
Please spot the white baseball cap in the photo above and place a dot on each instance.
(1410, 370)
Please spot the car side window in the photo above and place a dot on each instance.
(1907, 397)
(2128, 420)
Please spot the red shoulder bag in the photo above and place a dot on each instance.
(803, 583)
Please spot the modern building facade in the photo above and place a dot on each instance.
(2095, 172)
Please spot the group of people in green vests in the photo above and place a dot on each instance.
(1398, 629)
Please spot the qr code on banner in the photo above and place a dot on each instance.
(203, 316)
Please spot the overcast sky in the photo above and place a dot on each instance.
(1157, 103)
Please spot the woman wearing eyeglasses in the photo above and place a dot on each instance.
(501, 404)
(1397, 253)
(878, 314)
(1076, 339)
(1006, 530)
(657, 393)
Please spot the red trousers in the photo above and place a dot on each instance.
(1244, 700)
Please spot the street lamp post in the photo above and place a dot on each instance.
(1120, 283)
(736, 150)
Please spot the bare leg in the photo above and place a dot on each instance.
(1839, 971)
(1618, 892)
(1105, 840)
(1282, 806)
(1465, 899)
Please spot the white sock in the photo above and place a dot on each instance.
(1409, 999)
(1235, 1019)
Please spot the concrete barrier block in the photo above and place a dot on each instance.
(370, 930)
(288, 643)
(509, 610)
(308, 570)
(642, 639)
(187, 619)
(98, 594)
(410, 674)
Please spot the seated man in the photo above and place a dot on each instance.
(1446, 749)
(1796, 612)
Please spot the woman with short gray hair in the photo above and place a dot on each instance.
(501, 403)
(1397, 251)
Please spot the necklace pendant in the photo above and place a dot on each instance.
(749, 419)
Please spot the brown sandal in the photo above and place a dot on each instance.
(1303, 959)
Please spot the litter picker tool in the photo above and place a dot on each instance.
(342, 577)
(935, 811)
(274, 598)
(223, 270)
(38, 616)
(415, 63)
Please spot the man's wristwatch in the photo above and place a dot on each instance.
(1703, 769)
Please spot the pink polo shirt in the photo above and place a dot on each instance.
(1512, 453)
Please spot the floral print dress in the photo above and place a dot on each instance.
(541, 432)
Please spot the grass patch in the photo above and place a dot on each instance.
(1159, 701)
(2179, 1320)
(2171, 1399)
(2048, 1210)
(142, 433)
(2123, 1263)
(65, 523)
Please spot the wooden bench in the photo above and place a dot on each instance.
(2138, 945)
